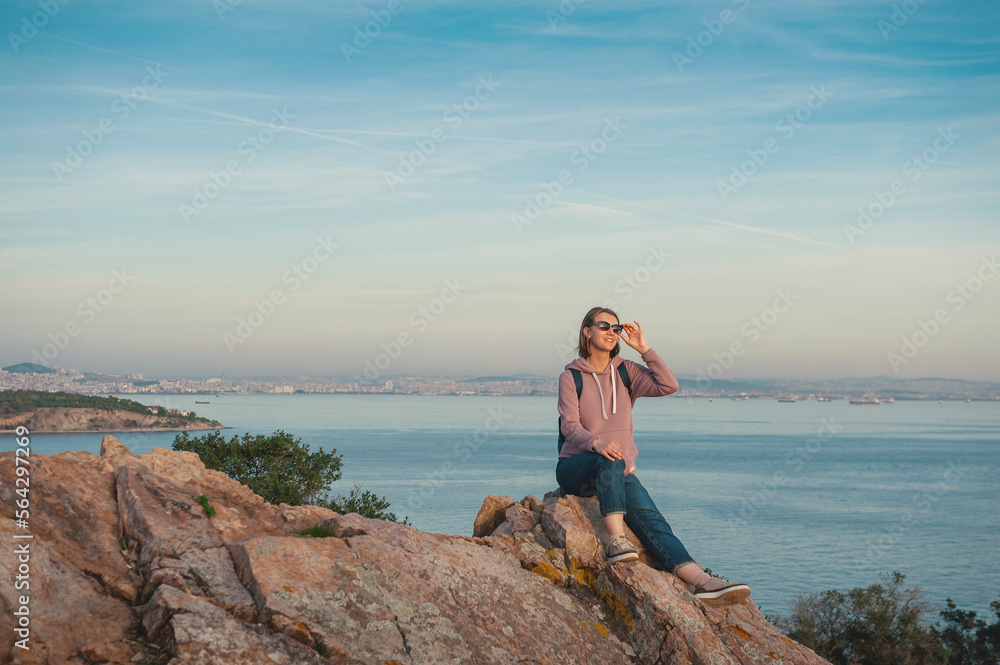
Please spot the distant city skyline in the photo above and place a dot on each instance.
(383, 189)
(860, 391)
(100, 382)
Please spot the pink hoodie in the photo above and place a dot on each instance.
(599, 414)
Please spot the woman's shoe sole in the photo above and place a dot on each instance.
(629, 556)
(728, 596)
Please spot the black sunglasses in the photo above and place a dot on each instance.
(616, 328)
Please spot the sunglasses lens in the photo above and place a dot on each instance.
(605, 326)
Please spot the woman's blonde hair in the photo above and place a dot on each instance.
(584, 345)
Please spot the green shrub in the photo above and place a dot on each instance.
(209, 509)
(886, 623)
(968, 640)
(282, 469)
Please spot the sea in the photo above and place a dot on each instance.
(790, 498)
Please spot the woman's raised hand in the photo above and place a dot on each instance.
(634, 337)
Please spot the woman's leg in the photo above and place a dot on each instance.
(572, 473)
(652, 529)
(648, 524)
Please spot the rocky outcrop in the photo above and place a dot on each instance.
(562, 539)
(84, 419)
(128, 566)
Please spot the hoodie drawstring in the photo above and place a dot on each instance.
(614, 390)
(614, 394)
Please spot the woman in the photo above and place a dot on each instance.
(599, 451)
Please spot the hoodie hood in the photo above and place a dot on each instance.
(586, 368)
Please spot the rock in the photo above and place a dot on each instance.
(208, 573)
(660, 618)
(109, 652)
(381, 592)
(490, 515)
(567, 526)
(164, 516)
(242, 586)
(197, 632)
(73, 510)
(188, 469)
(517, 518)
(303, 517)
(114, 452)
(79, 584)
(533, 504)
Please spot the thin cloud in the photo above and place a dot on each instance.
(593, 207)
(754, 229)
(124, 55)
(257, 123)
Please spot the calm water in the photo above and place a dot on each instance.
(786, 497)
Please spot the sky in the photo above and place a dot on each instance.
(245, 188)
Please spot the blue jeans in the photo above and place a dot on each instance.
(617, 494)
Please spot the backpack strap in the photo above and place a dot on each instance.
(578, 381)
(626, 379)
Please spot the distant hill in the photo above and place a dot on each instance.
(69, 412)
(21, 401)
(29, 368)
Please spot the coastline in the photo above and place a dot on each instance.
(13, 432)
(84, 419)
